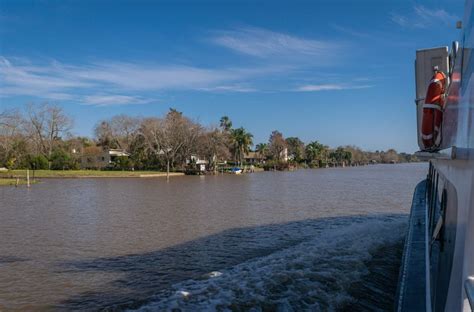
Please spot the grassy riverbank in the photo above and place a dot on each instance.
(12, 182)
(84, 174)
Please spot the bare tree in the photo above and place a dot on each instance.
(10, 132)
(173, 137)
(117, 132)
(359, 157)
(212, 145)
(277, 145)
(390, 156)
(46, 126)
(104, 135)
(150, 130)
(124, 129)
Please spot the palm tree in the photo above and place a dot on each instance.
(314, 151)
(226, 123)
(242, 140)
(261, 149)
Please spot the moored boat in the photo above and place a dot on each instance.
(236, 170)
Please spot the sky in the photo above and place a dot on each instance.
(340, 72)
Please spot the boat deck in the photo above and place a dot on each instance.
(412, 292)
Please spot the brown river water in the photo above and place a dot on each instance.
(327, 239)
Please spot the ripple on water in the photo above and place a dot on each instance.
(326, 272)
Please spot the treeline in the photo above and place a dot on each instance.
(39, 137)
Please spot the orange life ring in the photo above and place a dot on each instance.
(433, 111)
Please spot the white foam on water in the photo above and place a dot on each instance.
(312, 275)
(215, 274)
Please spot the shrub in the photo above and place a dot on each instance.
(38, 162)
(61, 160)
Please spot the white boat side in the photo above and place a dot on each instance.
(448, 199)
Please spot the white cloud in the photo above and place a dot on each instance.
(423, 17)
(29, 79)
(262, 43)
(435, 15)
(330, 87)
(399, 19)
(110, 83)
(108, 100)
(230, 88)
(152, 77)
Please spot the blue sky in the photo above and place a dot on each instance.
(340, 72)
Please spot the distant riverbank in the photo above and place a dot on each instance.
(13, 174)
(19, 177)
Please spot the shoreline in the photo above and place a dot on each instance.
(8, 178)
(83, 174)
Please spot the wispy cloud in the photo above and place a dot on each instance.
(352, 32)
(263, 43)
(330, 87)
(435, 15)
(423, 17)
(112, 83)
(230, 88)
(399, 19)
(278, 57)
(31, 80)
(108, 100)
(155, 77)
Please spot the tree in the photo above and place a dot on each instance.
(242, 141)
(117, 132)
(262, 149)
(61, 160)
(47, 124)
(341, 156)
(39, 163)
(212, 145)
(390, 156)
(225, 124)
(296, 149)
(173, 137)
(19, 155)
(104, 135)
(277, 145)
(10, 133)
(316, 153)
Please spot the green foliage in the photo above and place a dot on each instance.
(18, 156)
(276, 165)
(296, 149)
(242, 140)
(62, 160)
(10, 163)
(38, 162)
(225, 123)
(262, 150)
(340, 155)
(316, 153)
(123, 163)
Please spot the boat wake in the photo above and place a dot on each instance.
(341, 266)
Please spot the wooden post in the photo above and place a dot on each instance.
(28, 177)
(168, 170)
(17, 182)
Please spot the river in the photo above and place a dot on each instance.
(326, 239)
